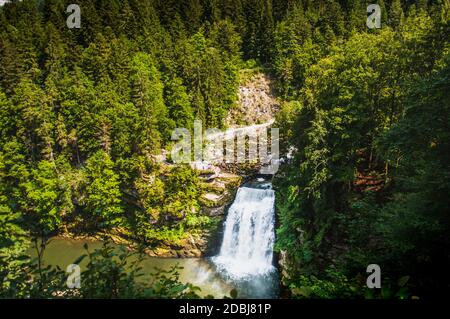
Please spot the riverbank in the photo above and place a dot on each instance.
(218, 193)
(217, 183)
(248, 268)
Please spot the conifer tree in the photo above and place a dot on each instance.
(103, 204)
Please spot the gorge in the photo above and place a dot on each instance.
(243, 259)
(244, 262)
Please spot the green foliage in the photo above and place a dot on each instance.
(48, 198)
(111, 272)
(336, 286)
(85, 113)
(170, 207)
(367, 183)
(115, 273)
(147, 92)
(101, 184)
(178, 103)
(13, 245)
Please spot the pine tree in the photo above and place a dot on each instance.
(7, 123)
(48, 199)
(103, 202)
(396, 14)
(35, 120)
(147, 96)
(10, 67)
(178, 103)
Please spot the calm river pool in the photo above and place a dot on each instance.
(201, 272)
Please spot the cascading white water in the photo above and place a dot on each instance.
(247, 247)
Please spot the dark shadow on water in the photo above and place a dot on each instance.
(265, 286)
(259, 287)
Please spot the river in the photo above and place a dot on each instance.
(245, 261)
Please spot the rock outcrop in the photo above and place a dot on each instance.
(254, 112)
(256, 103)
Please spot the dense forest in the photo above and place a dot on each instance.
(85, 113)
(369, 184)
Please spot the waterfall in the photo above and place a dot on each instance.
(247, 247)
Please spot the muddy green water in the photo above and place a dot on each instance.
(198, 271)
(201, 272)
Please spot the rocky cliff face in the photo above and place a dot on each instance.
(256, 103)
